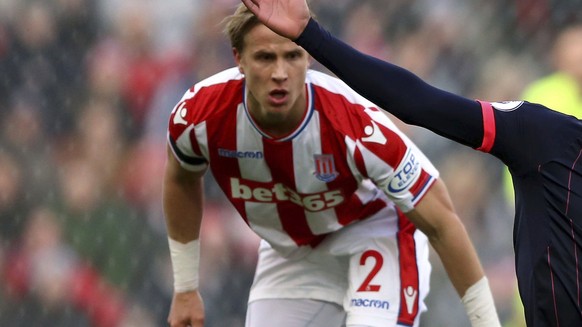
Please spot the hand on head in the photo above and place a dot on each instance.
(285, 17)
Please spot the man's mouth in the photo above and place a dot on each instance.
(278, 97)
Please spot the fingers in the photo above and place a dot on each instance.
(253, 5)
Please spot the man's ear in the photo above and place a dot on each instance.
(237, 59)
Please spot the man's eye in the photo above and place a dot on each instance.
(264, 57)
(294, 55)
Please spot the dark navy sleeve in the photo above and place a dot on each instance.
(395, 89)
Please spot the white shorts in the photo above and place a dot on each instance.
(377, 269)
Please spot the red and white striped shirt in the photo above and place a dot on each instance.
(344, 162)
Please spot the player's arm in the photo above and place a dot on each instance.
(183, 203)
(393, 88)
(435, 216)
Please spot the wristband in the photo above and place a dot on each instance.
(185, 264)
(479, 305)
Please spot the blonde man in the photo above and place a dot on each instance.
(342, 200)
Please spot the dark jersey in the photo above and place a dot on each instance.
(541, 147)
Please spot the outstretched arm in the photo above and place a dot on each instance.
(393, 88)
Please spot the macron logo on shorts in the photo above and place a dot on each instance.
(368, 303)
(409, 296)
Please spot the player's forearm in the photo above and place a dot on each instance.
(435, 216)
(460, 260)
(182, 201)
(395, 89)
(182, 210)
(458, 256)
(466, 274)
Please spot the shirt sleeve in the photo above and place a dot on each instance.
(410, 180)
(182, 136)
(393, 162)
(396, 90)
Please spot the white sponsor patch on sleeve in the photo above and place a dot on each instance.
(406, 174)
(506, 105)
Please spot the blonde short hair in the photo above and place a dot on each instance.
(238, 25)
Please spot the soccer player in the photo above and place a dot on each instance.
(541, 147)
(342, 200)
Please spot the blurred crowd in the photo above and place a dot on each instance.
(86, 88)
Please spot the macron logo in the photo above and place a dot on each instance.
(409, 296)
(240, 154)
(180, 114)
(374, 134)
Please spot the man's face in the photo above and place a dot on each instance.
(274, 69)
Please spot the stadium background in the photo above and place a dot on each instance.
(85, 91)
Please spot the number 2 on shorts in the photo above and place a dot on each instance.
(378, 262)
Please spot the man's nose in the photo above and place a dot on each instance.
(279, 71)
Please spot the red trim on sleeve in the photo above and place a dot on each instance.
(488, 127)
